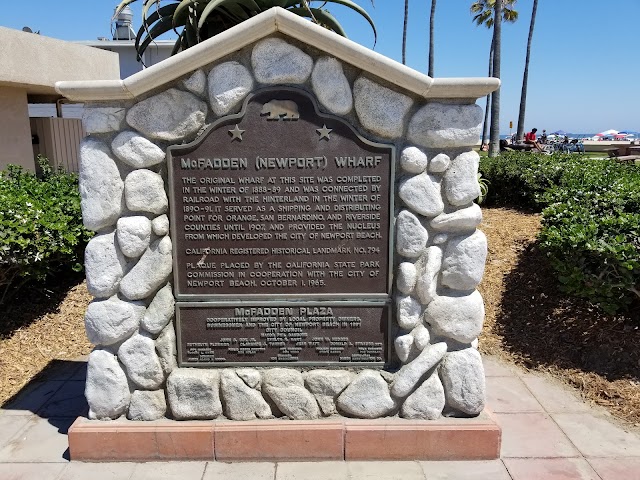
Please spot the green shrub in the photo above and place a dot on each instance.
(590, 224)
(41, 231)
(519, 179)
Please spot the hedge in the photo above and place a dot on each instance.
(41, 231)
(590, 219)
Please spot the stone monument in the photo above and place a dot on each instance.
(285, 229)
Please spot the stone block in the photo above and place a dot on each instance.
(193, 394)
(170, 115)
(101, 186)
(380, 109)
(275, 62)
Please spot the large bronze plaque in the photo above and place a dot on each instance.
(282, 201)
(302, 333)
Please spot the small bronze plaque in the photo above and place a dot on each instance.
(301, 333)
(281, 200)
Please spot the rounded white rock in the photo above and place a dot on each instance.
(136, 151)
(138, 355)
(464, 261)
(160, 311)
(463, 379)
(422, 194)
(171, 115)
(439, 163)
(107, 388)
(134, 235)
(326, 385)
(421, 337)
(285, 387)
(410, 374)
(102, 119)
(427, 402)
(413, 160)
(101, 186)
(275, 61)
(167, 350)
(440, 125)
(380, 109)
(406, 277)
(160, 225)
(411, 236)
(147, 405)
(194, 394)
(427, 283)
(458, 317)
(461, 185)
(366, 397)
(251, 377)
(240, 402)
(112, 320)
(196, 83)
(229, 84)
(151, 271)
(403, 345)
(144, 192)
(440, 238)
(409, 311)
(463, 220)
(331, 86)
(104, 265)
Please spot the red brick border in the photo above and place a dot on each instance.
(286, 440)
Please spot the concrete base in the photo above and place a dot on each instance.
(286, 440)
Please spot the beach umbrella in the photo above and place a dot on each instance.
(607, 133)
(559, 132)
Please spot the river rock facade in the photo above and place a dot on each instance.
(439, 252)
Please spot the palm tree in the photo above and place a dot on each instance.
(494, 131)
(203, 19)
(525, 77)
(485, 125)
(431, 36)
(404, 32)
(484, 11)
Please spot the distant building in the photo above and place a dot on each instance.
(122, 43)
(31, 65)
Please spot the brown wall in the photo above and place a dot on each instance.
(15, 131)
(58, 139)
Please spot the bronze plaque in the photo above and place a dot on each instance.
(301, 333)
(280, 200)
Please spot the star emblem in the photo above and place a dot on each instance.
(236, 133)
(324, 132)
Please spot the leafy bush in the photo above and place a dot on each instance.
(591, 219)
(41, 229)
(520, 179)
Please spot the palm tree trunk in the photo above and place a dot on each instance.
(485, 126)
(525, 77)
(494, 132)
(431, 36)
(404, 32)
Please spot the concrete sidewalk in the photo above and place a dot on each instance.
(548, 434)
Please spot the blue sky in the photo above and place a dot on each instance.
(585, 65)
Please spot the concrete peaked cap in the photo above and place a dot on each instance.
(261, 26)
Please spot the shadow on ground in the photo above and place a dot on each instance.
(56, 395)
(544, 327)
(34, 300)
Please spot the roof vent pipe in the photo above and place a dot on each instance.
(124, 30)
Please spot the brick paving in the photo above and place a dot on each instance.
(548, 433)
